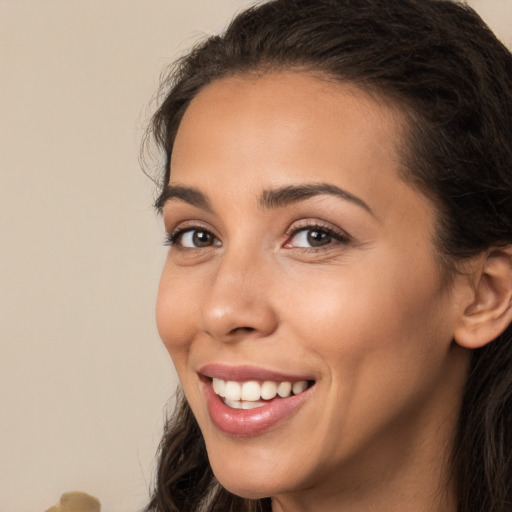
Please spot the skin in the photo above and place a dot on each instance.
(368, 316)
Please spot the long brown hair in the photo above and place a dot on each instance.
(439, 63)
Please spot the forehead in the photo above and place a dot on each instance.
(275, 112)
(278, 128)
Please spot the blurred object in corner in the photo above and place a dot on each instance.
(76, 502)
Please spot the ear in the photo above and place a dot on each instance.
(489, 311)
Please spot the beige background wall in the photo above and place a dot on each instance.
(83, 377)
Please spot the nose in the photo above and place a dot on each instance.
(237, 305)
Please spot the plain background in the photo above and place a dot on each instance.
(84, 379)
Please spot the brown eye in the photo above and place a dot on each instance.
(310, 237)
(195, 238)
(317, 238)
(201, 238)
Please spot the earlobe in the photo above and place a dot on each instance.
(490, 311)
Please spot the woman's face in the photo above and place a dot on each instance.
(298, 255)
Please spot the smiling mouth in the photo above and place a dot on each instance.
(253, 394)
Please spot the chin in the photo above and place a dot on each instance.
(250, 490)
(250, 480)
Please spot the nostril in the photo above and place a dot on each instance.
(242, 330)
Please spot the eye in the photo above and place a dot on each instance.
(313, 237)
(193, 238)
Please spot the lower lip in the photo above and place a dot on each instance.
(251, 422)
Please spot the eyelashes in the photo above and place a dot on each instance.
(192, 237)
(311, 236)
(314, 236)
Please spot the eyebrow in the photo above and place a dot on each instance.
(276, 198)
(269, 199)
(189, 195)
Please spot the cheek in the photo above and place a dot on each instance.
(381, 338)
(176, 313)
(378, 317)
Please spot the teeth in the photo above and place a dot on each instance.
(238, 404)
(232, 391)
(219, 387)
(284, 389)
(299, 387)
(268, 390)
(250, 391)
(247, 395)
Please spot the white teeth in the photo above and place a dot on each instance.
(232, 390)
(250, 391)
(238, 404)
(284, 389)
(299, 387)
(268, 390)
(219, 386)
(245, 395)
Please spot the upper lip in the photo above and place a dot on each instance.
(248, 372)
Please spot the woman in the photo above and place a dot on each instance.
(337, 294)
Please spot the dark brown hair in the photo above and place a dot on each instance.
(441, 65)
